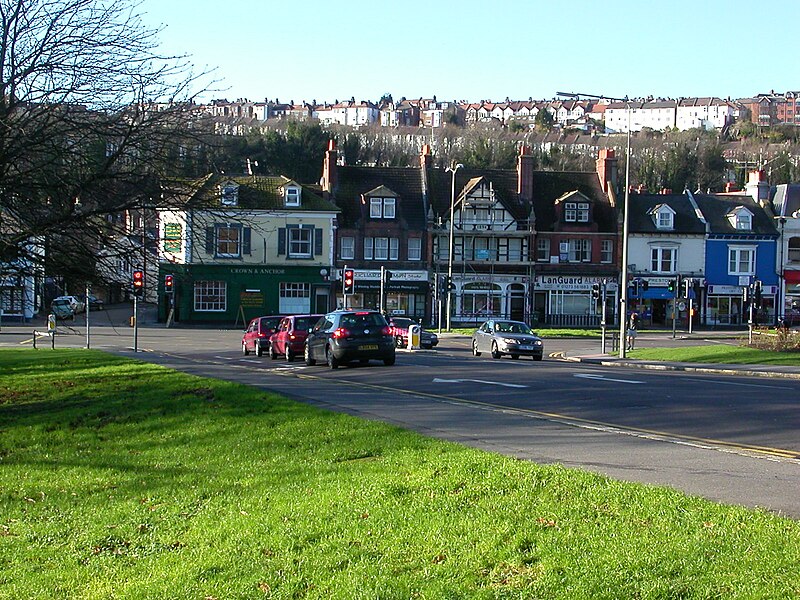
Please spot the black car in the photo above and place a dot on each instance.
(344, 336)
(400, 325)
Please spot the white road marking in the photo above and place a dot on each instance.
(604, 378)
(511, 385)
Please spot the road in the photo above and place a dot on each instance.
(727, 438)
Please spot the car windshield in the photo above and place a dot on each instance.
(270, 323)
(305, 323)
(401, 322)
(511, 327)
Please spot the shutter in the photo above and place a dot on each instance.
(281, 241)
(209, 240)
(317, 241)
(246, 240)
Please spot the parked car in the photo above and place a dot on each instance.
(95, 303)
(63, 308)
(77, 305)
(500, 336)
(290, 338)
(400, 325)
(256, 336)
(343, 336)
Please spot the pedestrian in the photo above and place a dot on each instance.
(630, 335)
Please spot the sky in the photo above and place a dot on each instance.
(470, 50)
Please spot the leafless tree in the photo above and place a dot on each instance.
(92, 117)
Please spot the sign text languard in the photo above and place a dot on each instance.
(570, 282)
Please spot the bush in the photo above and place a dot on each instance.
(781, 339)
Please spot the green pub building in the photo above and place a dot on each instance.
(243, 247)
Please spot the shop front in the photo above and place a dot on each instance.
(479, 297)
(567, 300)
(725, 305)
(405, 292)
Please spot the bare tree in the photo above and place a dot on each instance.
(91, 117)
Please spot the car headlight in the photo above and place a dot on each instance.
(538, 343)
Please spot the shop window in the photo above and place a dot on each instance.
(210, 296)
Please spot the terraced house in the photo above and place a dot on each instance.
(241, 247)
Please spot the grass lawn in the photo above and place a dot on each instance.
(716, 353)
(121, 479)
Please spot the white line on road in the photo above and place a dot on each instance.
(511, 385)
(756, 385)
(604, 378)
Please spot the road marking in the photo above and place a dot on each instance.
(604, 378)
(511, 385)
(756, 385)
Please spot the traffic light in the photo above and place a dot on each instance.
(450, 285)
(595, 291)
(645, 284)
(634, 288)
(688, 287)
(745, 294)
(138, 283)
(169, 283)
(757, 294)
(671, 286)
(348, 281)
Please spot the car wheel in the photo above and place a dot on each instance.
(475, 348)
(495, 351)
(289, 353)
(307, 354)
(515, 356)
(245, 351)
(273, 354)
(257, 349)
(537, 357)
(331, 359)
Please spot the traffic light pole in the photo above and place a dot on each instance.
(135, 323)
(603, 321)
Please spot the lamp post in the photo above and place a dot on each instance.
(452, 170)
(780, 308)
(623, 280)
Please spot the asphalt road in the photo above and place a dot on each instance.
(731, 439)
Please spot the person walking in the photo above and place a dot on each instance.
(630, 335)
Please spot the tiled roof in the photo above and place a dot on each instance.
(686, 220)
(716, 208)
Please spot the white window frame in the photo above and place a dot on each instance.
(744, 221)
(665, 219)
(382, 208)
(580, 250)
(292, 196)
(657, 257)
(375, 208)
(583, 212)
(210, 296)
(543, 249)
(381, 248)
(735, 262)
(297, 240)
(606, 251)
(369, 246)
(229, 241)
(570, 212)
(414, 248)
(347, 247)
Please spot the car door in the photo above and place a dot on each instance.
(484, 337)
(317, 337)
(281, 336)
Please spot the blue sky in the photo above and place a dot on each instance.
(470, 50)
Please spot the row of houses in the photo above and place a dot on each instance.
(516, 243)
(658, 114)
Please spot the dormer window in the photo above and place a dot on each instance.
(576, 212)
(291, 196)
(741, 219)
(382, 208)
(229, 194)
(663, 217)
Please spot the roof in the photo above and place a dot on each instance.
(716, 209)
(685, 221)
(255, 193)
(785, 199)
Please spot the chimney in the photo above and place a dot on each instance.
(525, 174)
(426, 158)
(607, 168)
(757, 187)
(329, 176)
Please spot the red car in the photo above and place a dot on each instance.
(290, 338)
(256, 336)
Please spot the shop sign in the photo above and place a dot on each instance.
(173, 232)
(571, 282)
(257, 271)
(251, 298)
(365, 275)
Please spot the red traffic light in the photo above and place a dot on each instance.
(138, 279)
(169, 280)
(348, 281)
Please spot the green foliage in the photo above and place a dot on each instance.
(544, 120)
(120, 479)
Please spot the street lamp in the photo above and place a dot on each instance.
(452, 170)
(623, 292)
(780, 308)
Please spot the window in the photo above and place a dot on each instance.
(368, 248)
(607, 251)
(741, 260)
(663, 259)
(229, 194)
(543, 249)
(347, 248)
(570, 212)
(414, 249)
(228, 241)
(210, 296)
(665, 219)
(794, 249)
(292, 197)
(300, 242)
(382, 208)
(579, 251)
(741, 219)
(381, 248)
(583, 212)
(294, 298)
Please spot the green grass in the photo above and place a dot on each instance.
(718, 354)
(120, 479)
(551, 333)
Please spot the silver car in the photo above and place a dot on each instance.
(502, 336)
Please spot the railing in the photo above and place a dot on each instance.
(571, 321)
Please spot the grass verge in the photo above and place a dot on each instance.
(120, 479)
(723, 354)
